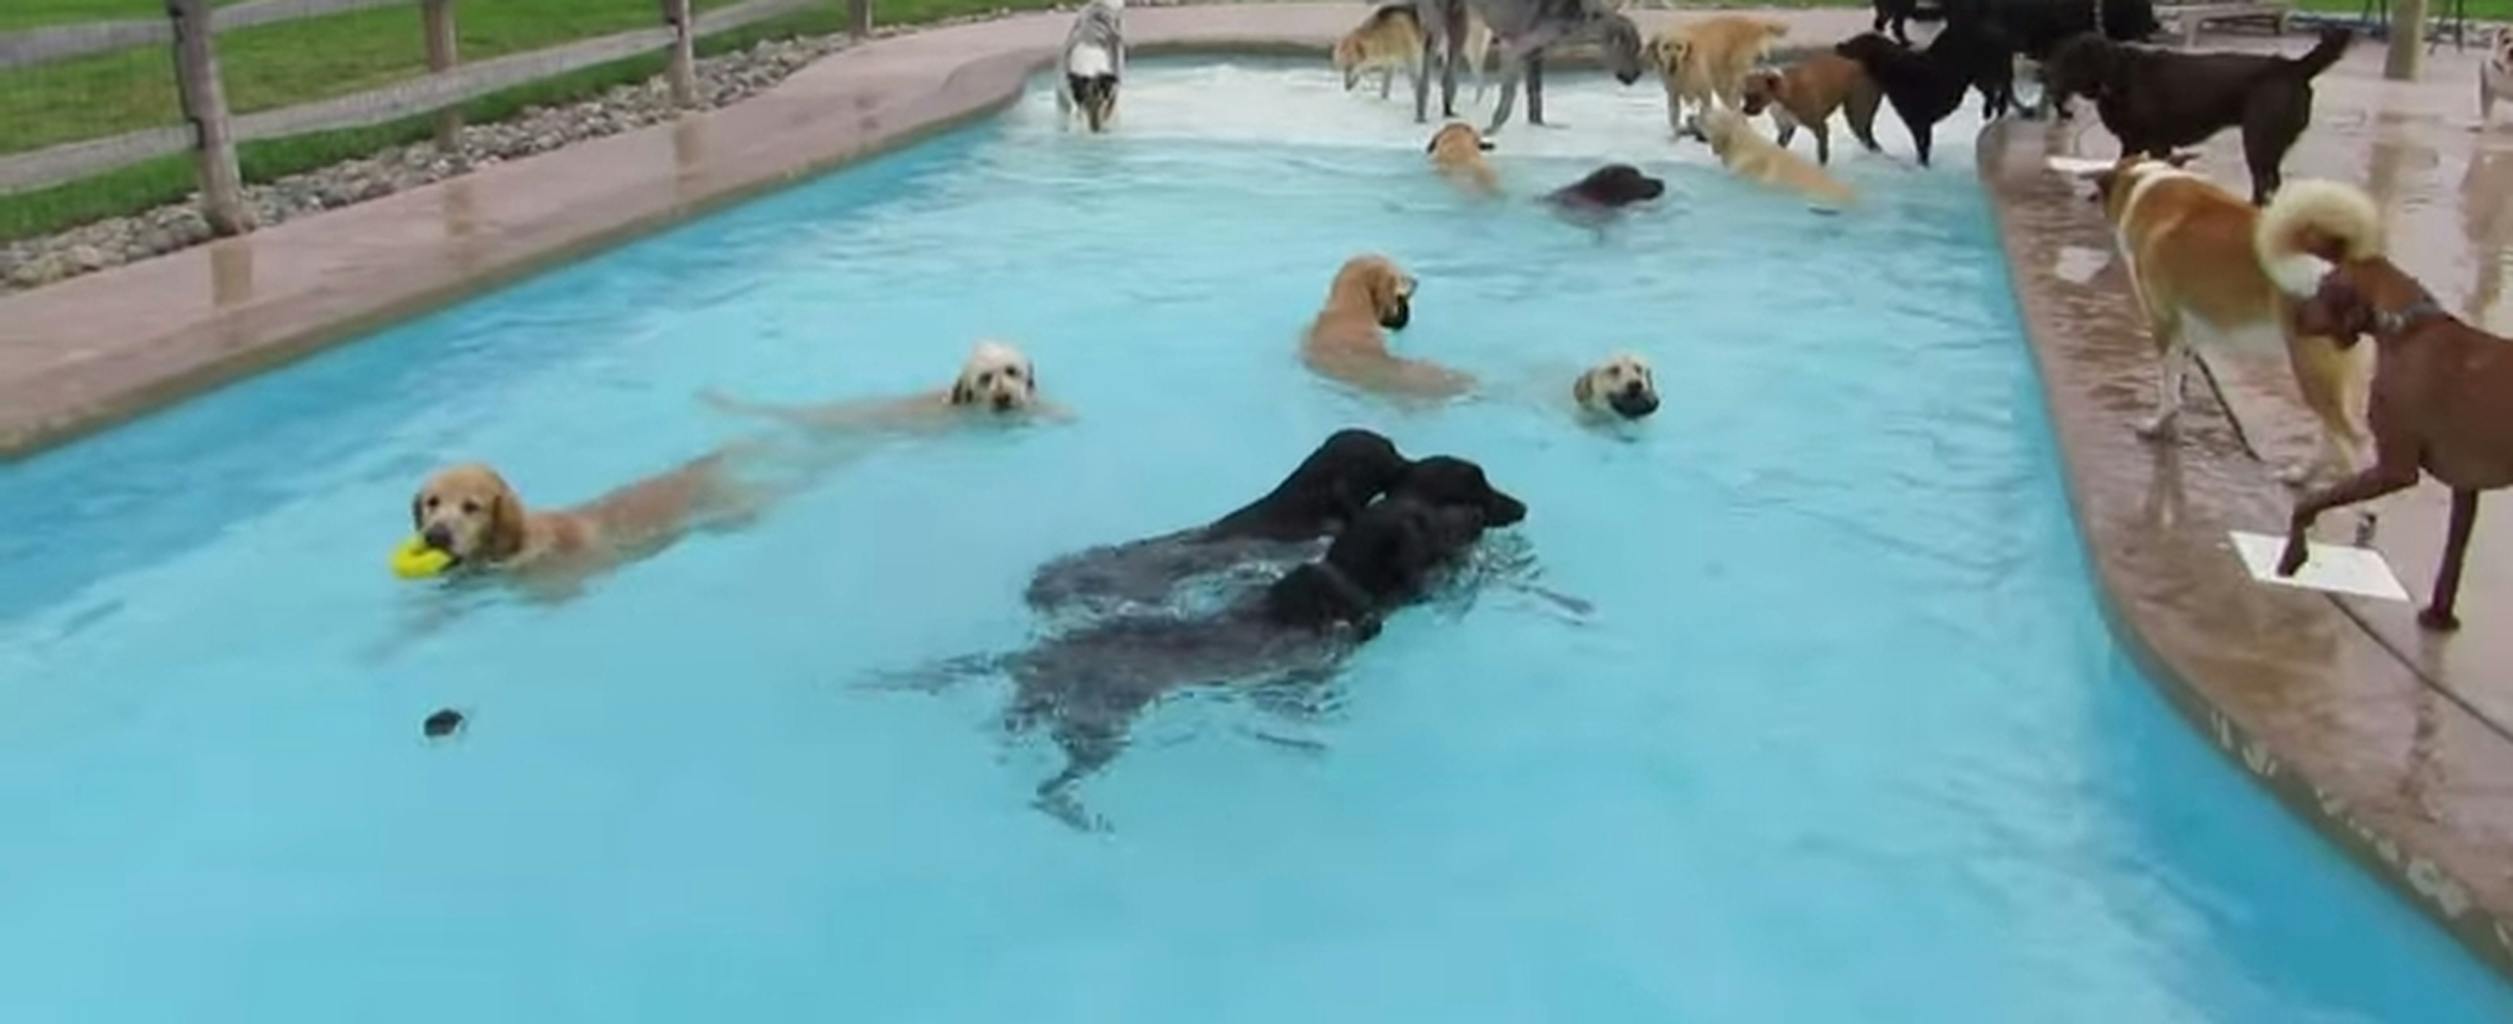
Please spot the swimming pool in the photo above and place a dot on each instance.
(1843, 739)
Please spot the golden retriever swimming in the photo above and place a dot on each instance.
(1457, 154)
(472, 514)
(1620, 387)
(1707, 59)
(1749, 155)
(996, 382)
(1348, 341)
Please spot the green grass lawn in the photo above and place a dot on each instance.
(17, 14)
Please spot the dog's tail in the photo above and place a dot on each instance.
(2310, 226)
(2332, 46)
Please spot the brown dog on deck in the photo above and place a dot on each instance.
(2442, 399)
(1806, 93)
(471, 513)
(1347, 342)
(1457, 151)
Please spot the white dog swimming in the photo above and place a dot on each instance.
(1093, 61)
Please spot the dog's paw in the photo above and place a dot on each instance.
(2293, 560)
(2295, 474)
(2366, 525)
(2159, 427)
(2438, 621)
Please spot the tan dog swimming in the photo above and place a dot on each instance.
(1804, 95)
(1707, 59)
(996, 382)
(1348, 340)
(1621, 387)
(1457, 151)
(1750, 156)
(471, 513)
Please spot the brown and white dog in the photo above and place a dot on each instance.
(1703, 60)
(1457, 151)
(1748, 155)
(1621, 387)
(996, 382)
(1805, 94)
(2206, 276)
(1388, 41)
(1348, 340)
(2440, 389)
(2495, 76)
(472, 514)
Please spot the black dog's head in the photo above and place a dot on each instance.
(1448, 482)
(1614, 185)
(2082, 66)
(1345, 473)
(1097, 96)
(1385, 557)
(1619, 39)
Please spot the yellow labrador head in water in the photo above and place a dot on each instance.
(469, 512)
(1620, 386)
(997, 377)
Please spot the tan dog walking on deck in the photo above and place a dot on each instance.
(1704, 60)
(2442, 399)
(1388, 41)
(1457, 151)
(2195, 257)
(1805, 94)
(1348, 340)
(1748, 155)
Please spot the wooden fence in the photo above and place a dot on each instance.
(211, 131)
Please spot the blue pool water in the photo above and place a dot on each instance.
(1844, 738)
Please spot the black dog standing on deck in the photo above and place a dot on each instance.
(1926, 86)
(2158, 100)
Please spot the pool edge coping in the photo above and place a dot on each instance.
(2402, 845)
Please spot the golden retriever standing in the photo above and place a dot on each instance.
(1347, 342)
(1457, 151)
(1707, 59)
(1804, 95)
(996, 381)
(1750, 156)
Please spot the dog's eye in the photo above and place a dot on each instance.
(985, 378)
(432, 503)
(1012, 373)
(471, 508)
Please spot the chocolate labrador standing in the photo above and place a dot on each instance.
(2442, 402)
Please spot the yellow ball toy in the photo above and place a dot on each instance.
(414, 559)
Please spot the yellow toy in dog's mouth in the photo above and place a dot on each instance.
(414, 559)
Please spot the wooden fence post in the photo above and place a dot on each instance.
(684, 72)
(438, 18)
(859, 18)
(205, 103)
(2408, 41)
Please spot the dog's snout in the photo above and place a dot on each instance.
(438, 537)
(1633, 403)
(1003, 402)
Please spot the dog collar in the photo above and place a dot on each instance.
(2396, 320)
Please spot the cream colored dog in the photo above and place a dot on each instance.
(1622, 386)
(1388, 41)
(996, 381)
(1747, 154)
(1457, 151)
(1348, 340)
(1703, 60)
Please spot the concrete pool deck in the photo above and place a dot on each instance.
(2392, 742)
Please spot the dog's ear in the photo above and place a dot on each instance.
(1432, 146)
(1029, 379)
(960, 393)
(1585, 389)
(416, 522)
(506, 524)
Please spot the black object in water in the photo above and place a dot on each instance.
(442, 724)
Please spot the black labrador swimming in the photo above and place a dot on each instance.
(1346, 472)
(1087, 686)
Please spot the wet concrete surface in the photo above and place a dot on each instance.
(2391, 738)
